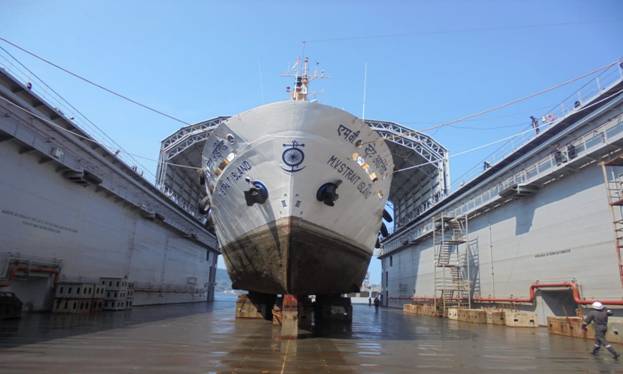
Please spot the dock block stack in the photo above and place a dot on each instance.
(97, 302)
(130, 295)
(572, 326)
(276, 315)
(472, 315)
(453, 314)
(245, 308)
(74, 297)
(495, 317)
(115, 293)
(518, 318)
(420, 309)
(289, 318)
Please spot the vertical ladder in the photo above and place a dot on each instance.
(450, 264)
(613, 181)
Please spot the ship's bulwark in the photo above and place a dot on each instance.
(293, 256)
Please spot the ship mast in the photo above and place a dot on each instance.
(300, 71)
(302, 83)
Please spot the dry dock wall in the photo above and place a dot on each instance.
(562, 232)
(42, 214)
(81, 214)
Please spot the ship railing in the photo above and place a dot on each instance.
(590, 91)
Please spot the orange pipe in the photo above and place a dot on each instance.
(38, 269)
(572, 285)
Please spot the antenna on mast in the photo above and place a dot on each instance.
(365, 86)
(300, 71)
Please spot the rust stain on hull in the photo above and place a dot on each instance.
(293, 256)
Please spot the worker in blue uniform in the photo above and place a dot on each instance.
(599, 317)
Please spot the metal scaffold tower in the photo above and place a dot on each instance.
(451, 261)
(613, 180)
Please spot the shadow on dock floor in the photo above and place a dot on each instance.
(205, 338)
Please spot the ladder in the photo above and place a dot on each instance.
(613, 181)
(451, 272)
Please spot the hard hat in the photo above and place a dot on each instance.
(597, 305)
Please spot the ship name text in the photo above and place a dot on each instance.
(233, 176)
(350, 175)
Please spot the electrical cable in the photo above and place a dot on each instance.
(521, 99)
(395, 171)
(86, 138)
(78, 112)
(509, 137)
(442, 32)
(124, 97)
(551, 109)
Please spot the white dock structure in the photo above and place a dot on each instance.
(541, 229)
(72, 210)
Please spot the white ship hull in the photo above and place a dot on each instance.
(292, 242)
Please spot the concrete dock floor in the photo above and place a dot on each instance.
(205, 338)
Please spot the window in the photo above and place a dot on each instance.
(61, 290)
(391, 261)
(69, 290)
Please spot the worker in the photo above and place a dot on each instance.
(535, 124)
(599, 315)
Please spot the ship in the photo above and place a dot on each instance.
(296, 191)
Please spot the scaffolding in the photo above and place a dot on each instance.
(613, 180)
(451, 267)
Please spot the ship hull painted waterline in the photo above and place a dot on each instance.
(292, 242)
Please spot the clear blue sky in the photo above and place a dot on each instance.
(428, 61)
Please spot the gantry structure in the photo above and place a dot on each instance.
(421, 177)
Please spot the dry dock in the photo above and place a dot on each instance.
(205, 338)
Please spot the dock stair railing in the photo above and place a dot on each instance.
(613, 181)
(451, 261)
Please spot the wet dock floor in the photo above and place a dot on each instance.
(205, 338)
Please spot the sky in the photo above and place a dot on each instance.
(428, 62)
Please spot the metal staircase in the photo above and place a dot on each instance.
(451, 269)
(613, 180)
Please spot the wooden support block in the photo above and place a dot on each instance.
(276, 316)
(472, 315)
(246, 309)
(495, 317)
(615, 330)
(453, 313)
(289, 318)
(517, 318)
(572, 326)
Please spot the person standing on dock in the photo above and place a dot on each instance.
(599, 315)
(535, 124)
